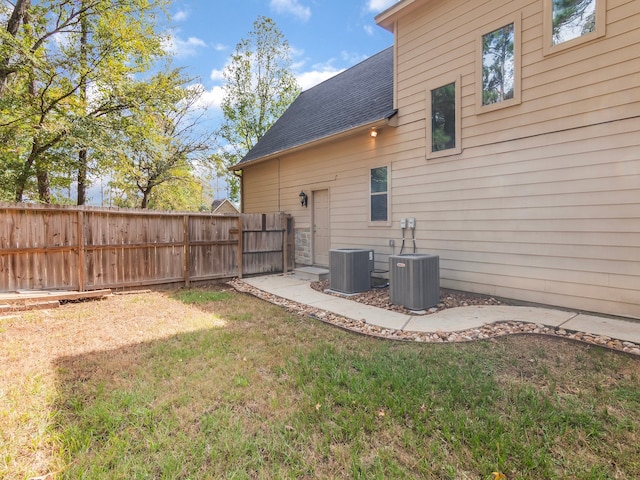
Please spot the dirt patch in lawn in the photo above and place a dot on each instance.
(32, 341)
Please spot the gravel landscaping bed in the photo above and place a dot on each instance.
(379, 297)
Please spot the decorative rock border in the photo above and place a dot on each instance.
(493, 330)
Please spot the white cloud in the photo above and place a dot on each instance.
(210, 99)
(183, 48)
(292, 7)
(309, 79)
(352, 58)
(296, 52)
(196, 41)
(219, 47)
(216, 74)
(379, 5)
(181, 15)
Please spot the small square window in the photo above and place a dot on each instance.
(379, 191)
(571, 22)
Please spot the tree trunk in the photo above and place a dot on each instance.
(83, 153)
(23, 178)
(145, 199)
(13, 25)
(82, 176)
(44, 190)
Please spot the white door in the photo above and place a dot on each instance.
(321, 241)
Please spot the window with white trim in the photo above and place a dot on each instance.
(379, 194)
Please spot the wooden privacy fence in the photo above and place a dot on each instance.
(91, 248)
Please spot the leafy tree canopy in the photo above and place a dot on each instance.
(259, 86)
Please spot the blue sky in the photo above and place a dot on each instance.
(326, 36)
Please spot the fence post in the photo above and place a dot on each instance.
(240, 246)
(186, 250)
(81, 251)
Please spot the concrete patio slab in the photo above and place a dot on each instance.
(463, 318)
(628, 330)
(299, 290)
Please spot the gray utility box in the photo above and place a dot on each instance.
(414, 280)
(350, 269)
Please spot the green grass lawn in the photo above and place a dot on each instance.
(266, 394)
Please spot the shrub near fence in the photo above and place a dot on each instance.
(90, 248)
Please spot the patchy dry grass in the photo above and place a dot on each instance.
(215, 384)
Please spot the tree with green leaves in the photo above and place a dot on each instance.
(67, 67)
(259, 86)
(161, 143)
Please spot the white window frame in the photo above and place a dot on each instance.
(371, 194)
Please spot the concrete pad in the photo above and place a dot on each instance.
(475, 316)
(359, 311)
(445, 323)
(627, 330)
(298, 289)
(298, 293)
(313, 274)
(267, 282)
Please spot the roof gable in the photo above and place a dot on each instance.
(361, 95)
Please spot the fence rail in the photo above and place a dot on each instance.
(91, 248)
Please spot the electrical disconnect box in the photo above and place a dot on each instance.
(414, 280)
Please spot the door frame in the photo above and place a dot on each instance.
(313, 226)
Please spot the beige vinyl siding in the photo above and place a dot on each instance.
(543, 203)
(547, 220)
(261, 188)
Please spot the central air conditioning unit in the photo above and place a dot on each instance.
(350, 269)
(414, 280)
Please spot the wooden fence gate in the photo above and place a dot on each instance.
(91, 248)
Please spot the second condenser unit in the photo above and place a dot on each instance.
(350, 269)
(414, 280)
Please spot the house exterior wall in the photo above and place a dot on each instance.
(542, 203)
(226, 208)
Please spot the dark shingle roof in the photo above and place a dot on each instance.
(359, 96)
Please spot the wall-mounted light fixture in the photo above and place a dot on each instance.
(373, 133)
(303, 198)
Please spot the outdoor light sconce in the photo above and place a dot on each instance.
(303, 199)
(373, 133)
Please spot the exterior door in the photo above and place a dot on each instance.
(321, 228)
